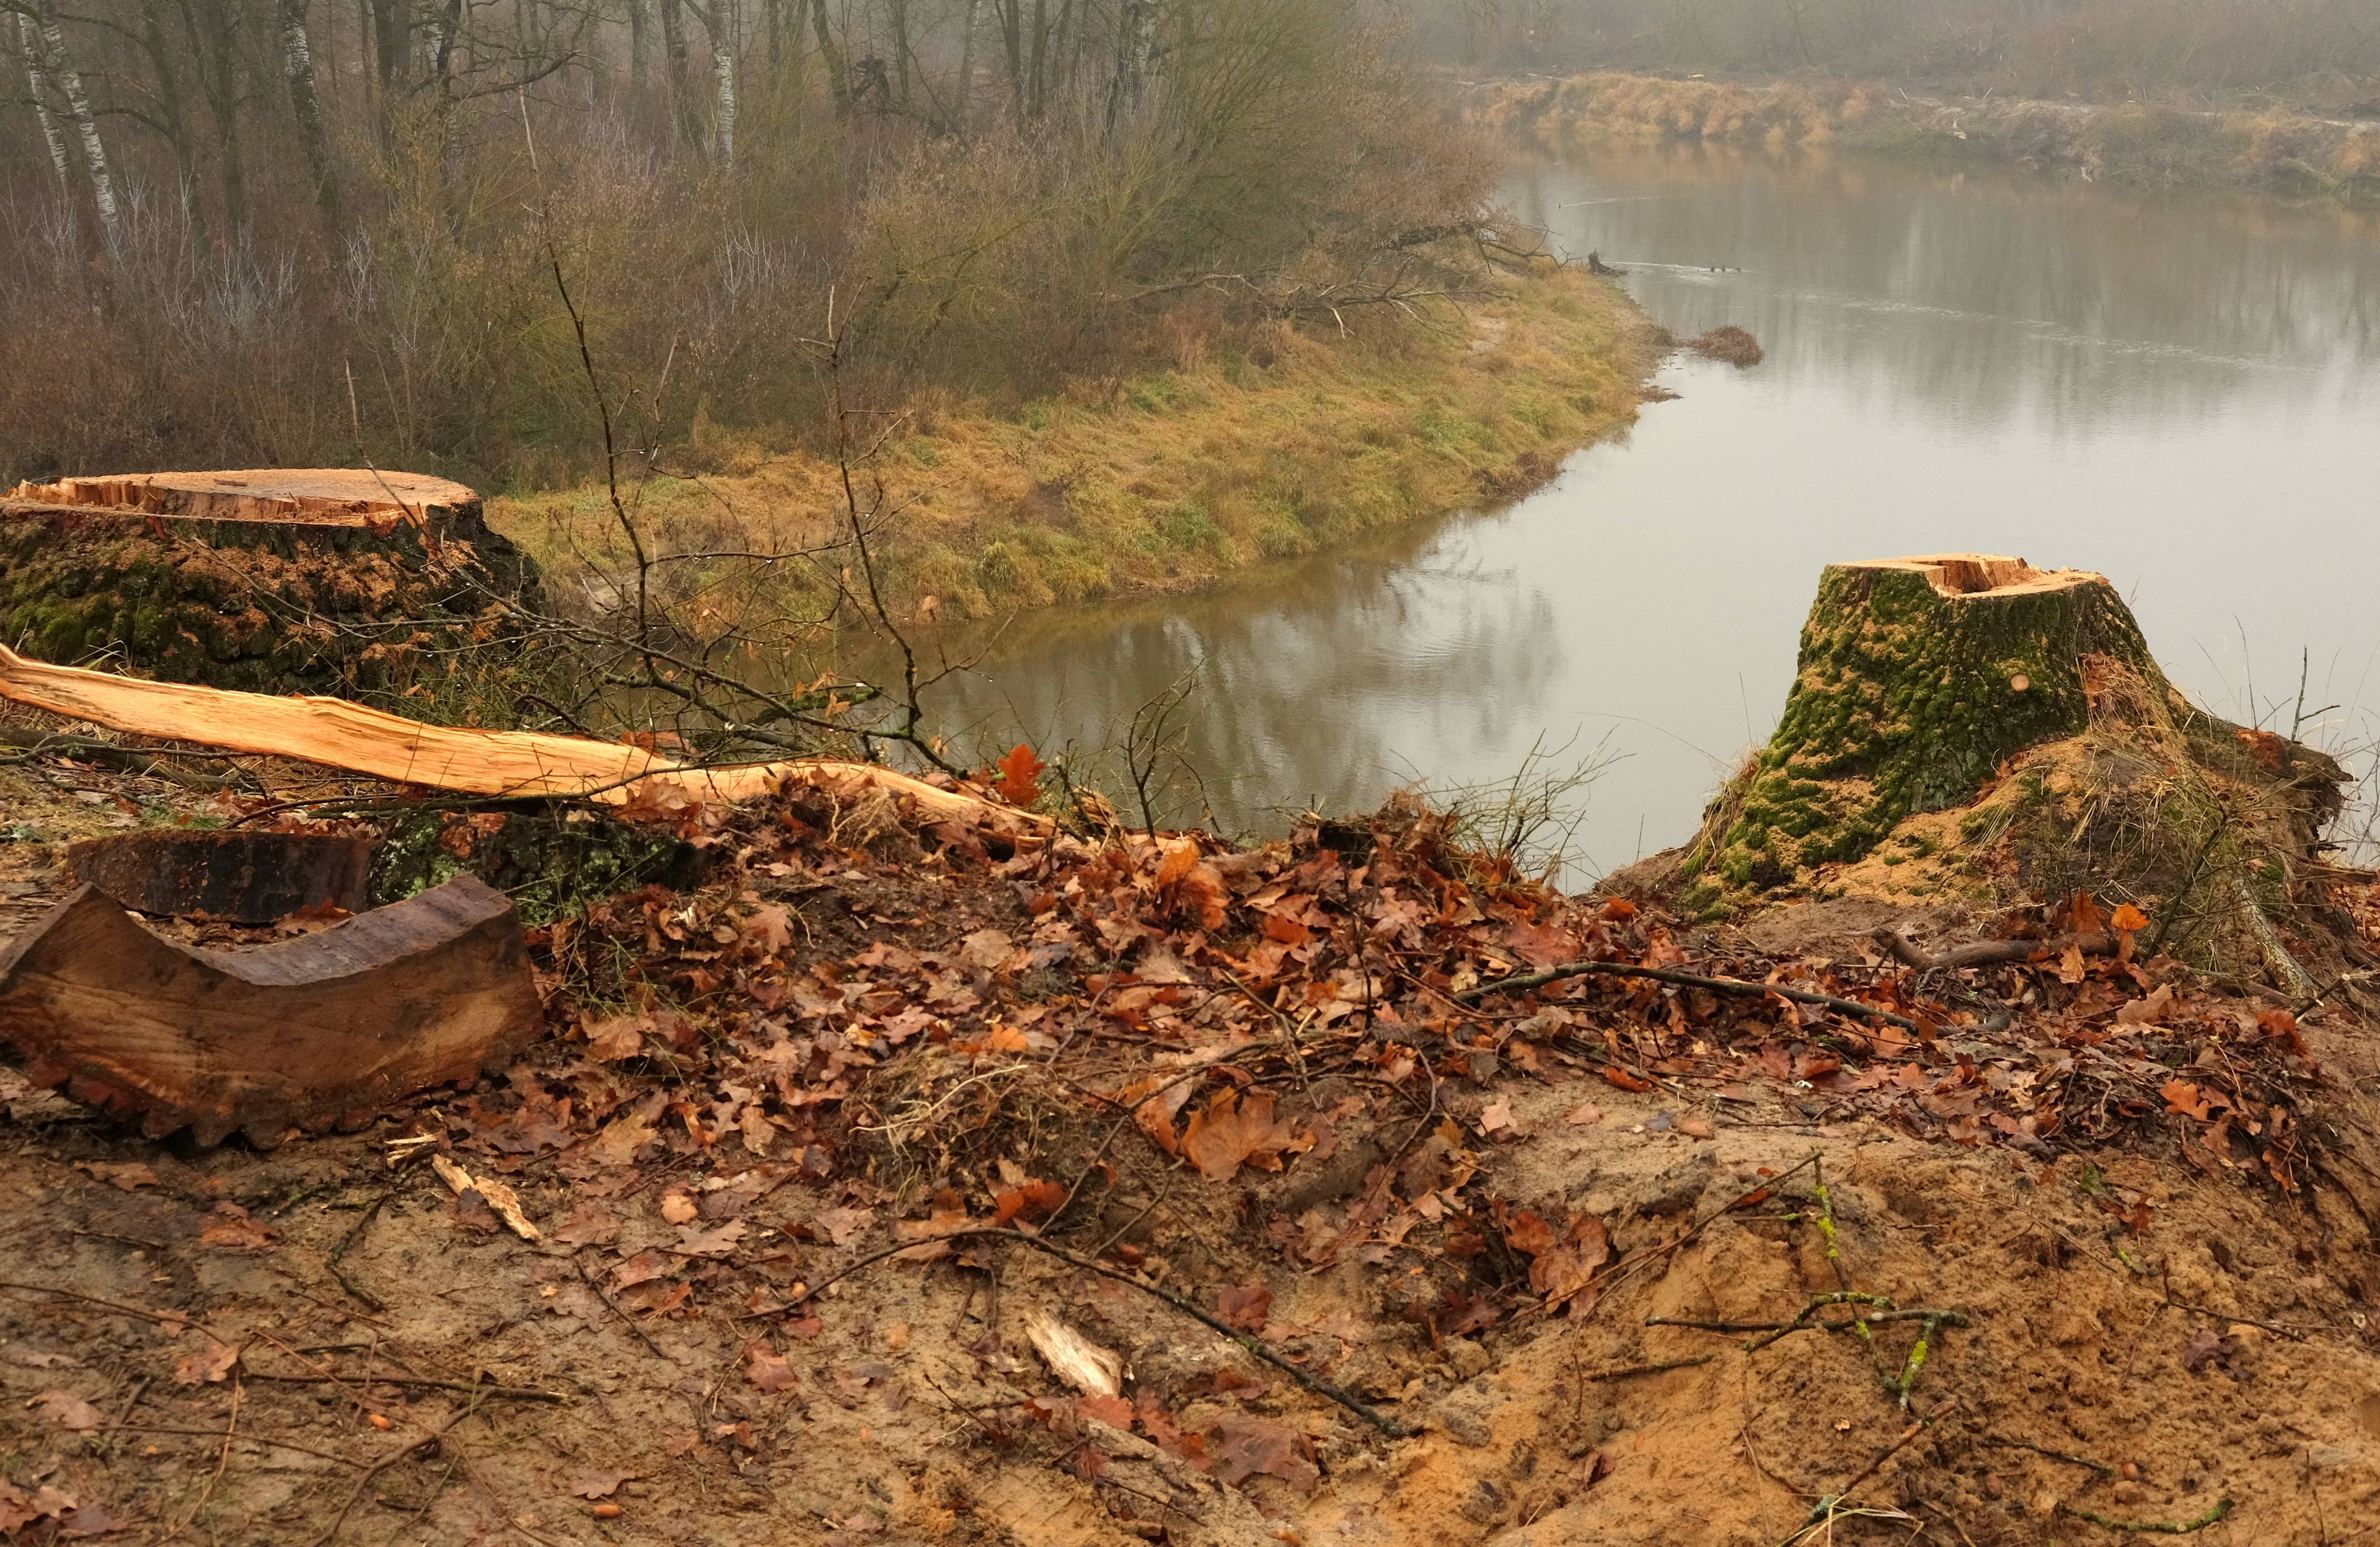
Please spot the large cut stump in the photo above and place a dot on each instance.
(1918, 678)
(241, 875)
(266, 579)
(325, 1028)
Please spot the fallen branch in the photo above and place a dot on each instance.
(1683, 980)
(511, 763)
(493, 1392)
(1632, 1370)
(1252, 1345)
(1987, 953)
(1826, 1509)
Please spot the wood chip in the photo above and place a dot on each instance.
(502, 1199)
(1074, 1358)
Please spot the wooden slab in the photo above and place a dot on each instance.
(240, 874)
(326, 1029)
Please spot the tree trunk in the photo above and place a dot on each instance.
(680, 90)
(37, 82)
(966, 68)
(720, 22)
(94, 154)
(298, 57)
(212, 28)
(838, 79)
(176, 121)
(637, 49)
(1918, 678)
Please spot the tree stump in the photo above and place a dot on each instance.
(275, 580)
(1918, 677)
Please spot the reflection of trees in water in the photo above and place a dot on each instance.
(1996, 292)
(1307, 692)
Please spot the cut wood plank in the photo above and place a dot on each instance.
(327, 1027)
(241, 874)
(513, 763)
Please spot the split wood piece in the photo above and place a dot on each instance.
(1989, 952)
(509, 763)
(245, 875)
(326, 496)
(323, 1030)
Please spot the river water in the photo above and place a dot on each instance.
(2181, 392)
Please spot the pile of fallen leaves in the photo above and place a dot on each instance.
(939, 1031)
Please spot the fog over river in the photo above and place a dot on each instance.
(2179, 391)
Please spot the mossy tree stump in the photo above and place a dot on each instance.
(322, 579)
(1918, 678)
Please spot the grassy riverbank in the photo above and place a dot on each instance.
(2135, 142)
(1287, 442)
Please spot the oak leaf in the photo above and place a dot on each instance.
(1020, 776)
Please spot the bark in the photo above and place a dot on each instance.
(298, 56)
(393, 41)
(1918, 678)
(94, 152)
(966, 68)
(305, 1032)
(176, 119)
(37, 81)
(720, 22)
(212, 28)
(637, 48)
(681, 89)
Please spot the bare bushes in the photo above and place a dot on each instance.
(1271, 155)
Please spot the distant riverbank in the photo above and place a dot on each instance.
(2135, 142)
(1167, 480)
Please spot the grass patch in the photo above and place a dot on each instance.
(1170, 480)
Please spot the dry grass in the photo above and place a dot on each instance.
(1250, 445)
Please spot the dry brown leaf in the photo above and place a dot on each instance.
(67, 1410)
(677, 1207)
(1231, 1132)
(1244, 1444)
(767, 1368)
(211, 1363)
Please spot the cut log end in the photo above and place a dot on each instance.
(327, 496)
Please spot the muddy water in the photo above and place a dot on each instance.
(2181, 392)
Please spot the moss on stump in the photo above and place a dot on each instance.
(273, 581)
(1918, 678)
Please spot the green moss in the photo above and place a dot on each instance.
(1907, 701)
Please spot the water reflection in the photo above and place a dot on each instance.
(2182, 393)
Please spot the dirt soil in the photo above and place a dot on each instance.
(2130, 1214)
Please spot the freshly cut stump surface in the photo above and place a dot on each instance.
(1918, 678)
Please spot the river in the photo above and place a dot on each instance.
(2179, 391)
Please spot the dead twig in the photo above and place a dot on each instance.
(1631, 1372)
(495, 1392)
(1685, 979)
(2154, 1527)
(1254, 1345)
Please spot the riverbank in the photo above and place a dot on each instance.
(2135, 142)
(1166, 480)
